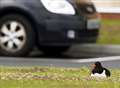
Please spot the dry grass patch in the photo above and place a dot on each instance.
(50, 77)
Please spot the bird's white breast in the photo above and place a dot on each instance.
(102, 75)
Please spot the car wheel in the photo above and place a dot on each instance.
(16, 36)
(54, 50)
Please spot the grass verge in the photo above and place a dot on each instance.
(44, 77)
(109, 32)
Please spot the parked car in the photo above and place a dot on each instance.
(52, 25)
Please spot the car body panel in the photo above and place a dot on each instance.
(51, 28)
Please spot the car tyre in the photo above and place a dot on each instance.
(16, 36)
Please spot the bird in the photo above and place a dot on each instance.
(99, 71)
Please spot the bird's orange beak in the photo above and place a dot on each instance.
(93, 66)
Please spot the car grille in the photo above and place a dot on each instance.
(86, 8)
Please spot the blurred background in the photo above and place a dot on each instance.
(110, 14)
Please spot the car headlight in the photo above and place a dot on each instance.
(59, 6)
(89, 9)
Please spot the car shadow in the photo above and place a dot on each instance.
(38, 55)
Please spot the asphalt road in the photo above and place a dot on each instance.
(59, 61)
(74, 58)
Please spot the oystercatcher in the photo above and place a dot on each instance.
(99, 71)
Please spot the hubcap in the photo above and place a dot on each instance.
(12, 36)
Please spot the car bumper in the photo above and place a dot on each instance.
(69, 31)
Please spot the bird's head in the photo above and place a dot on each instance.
(96, 65)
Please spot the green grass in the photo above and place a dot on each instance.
(111, 22)
(109, 32)
(51, 77)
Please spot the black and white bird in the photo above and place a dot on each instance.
(99, 71)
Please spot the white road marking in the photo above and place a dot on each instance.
(112, 58)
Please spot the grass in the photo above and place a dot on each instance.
(109, 32)
(51, 77)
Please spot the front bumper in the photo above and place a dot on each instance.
(69, 31)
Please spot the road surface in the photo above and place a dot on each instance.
(62, 61)
(77, 57)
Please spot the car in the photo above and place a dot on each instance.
(51, 25)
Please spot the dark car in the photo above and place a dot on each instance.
(51, 25)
